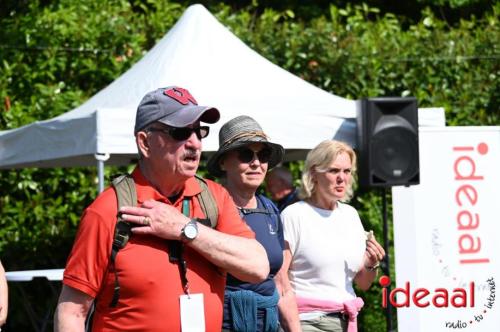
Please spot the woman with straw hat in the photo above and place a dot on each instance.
(243, 158)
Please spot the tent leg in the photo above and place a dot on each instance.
(100, 175)
(101, 158)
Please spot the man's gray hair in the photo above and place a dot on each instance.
(282, 173)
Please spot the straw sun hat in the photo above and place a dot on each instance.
(239, 132)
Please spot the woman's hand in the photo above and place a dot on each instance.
(374, 252)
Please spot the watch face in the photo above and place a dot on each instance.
(190, 231)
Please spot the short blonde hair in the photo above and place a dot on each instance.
(319, 159)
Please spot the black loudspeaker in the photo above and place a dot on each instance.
(388, 142)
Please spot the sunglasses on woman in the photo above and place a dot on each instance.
(246, 155)
(182, 134)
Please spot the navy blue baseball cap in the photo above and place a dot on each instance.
(173, 106)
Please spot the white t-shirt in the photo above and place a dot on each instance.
(327, 251)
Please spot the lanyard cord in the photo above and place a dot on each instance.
(176, 249)
(182, 261)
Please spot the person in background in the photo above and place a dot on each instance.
(279, 183)
(242, 160)
(4, 296)
(161, 289)
(328, 249)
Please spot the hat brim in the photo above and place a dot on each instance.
(213, 164)
(191, 114)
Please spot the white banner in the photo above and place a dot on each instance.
(447, 234)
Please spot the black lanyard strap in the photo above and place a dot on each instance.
(176, 249)
(245, 211)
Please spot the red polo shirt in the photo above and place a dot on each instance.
(150, 284)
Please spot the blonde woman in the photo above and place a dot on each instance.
(327, 247)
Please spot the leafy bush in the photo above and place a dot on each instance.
(56, 54)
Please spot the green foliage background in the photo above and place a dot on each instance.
(55, 54)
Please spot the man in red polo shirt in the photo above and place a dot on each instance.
(156, 293)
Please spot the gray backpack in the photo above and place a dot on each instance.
(127, 196)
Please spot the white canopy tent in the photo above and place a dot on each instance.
(200, 54)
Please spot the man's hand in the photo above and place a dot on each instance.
(156, 218)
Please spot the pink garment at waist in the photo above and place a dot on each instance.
(350, 308)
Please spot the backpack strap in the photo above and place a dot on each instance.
(209, 208)
(125, 190)
(268, 205)
(126, 196)
(207, 202)
(271, 209)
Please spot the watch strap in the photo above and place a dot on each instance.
(190, 223)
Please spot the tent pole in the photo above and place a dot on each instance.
(101, 158)
(100, 175)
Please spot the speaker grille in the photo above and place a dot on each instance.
(387, 141)
(393, 156)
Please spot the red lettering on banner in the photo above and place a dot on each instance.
(441, 293)
(384, 281)
(467, 244)
(469, 192)
(459, 294)
(467, 196)
(463, 148)
(419, 294)
(439, 298)
(181, 95)
(474, 261)
(470, 222)
(460, 162)
(406, 292)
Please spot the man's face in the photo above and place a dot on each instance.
(169, 155)
(276, 187)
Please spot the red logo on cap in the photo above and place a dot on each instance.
(181, 95)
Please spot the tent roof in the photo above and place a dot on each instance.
(219, 70)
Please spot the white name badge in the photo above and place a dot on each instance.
(192, 313)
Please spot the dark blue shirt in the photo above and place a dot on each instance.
(266, 224)
(289, 199)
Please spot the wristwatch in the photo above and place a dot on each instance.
(373, 268)
(190, 230)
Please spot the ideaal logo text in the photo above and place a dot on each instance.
(460, 252)
(422, 297)
(466, 199)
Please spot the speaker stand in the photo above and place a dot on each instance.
(386, 263)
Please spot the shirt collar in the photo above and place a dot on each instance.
(146, 191)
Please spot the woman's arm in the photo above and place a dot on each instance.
(289, 314)
(4, 296)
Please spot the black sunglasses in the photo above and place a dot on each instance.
(182, 134)
(246, 155)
